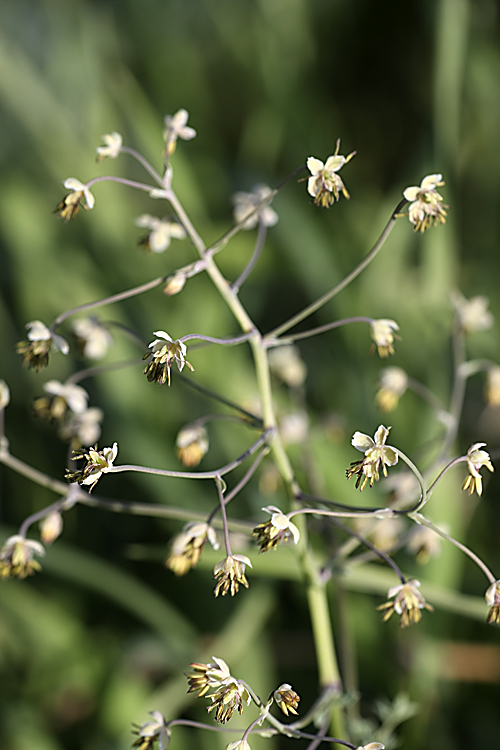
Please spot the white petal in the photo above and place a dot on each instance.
(314, 165)
(362, 442)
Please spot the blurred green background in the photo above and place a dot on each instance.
(104, 633)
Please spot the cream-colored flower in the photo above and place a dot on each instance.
(231, 574)
(245, 205)
(164, 352)
(382, 332)
(40, 342)
(93, 338)
(372, 746)
(207, 676)
(492, 597)
(152, 731)
(176, 127)
(175, 284)
(16, 557)
(74, 395)
(473, 314)
(239, 745)
(278, 529)
(385, 533)
(84, 427)
(98, 463)
(408, 603)
(188, 546)
(70, 204)
(426, 206)
(377, 454)
(287, 365)
(476, 458)
(325, 185)
(287, 699)
(424, 543)
(294, 427)
(112, 148)
(192, 444)
(161, 234)
(393, 385)
(492, 387)
(4, 394)
(230, 696)
(51, 527)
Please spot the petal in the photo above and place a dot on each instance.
(60, 343)
(54, 387)
(163, 335)
(89, 198)
(362, 442)
(314, 165)
(38, 331)
(381, 435)
(390, 457)
(242, 559)
(334, 163)
(430, 182)
(411, 193)
(146, 220)
(73, 184)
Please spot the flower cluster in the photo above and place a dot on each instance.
(188, 546)
(229, 694)
(16, 557)
(164, 352)
(377, 454)
(40, 342)
(231, 574)
(278, 529)
(98, 463)
(408, 603)
(426, 206)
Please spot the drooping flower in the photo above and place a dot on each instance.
(84, 427)
(377, 454)
(192, 444)
(426, 204)
(16, 557)
(325, 185)
(151, 731)
(228, 698)
(239, 745)
(63, 396)
(92, 337)
(4, 394)
(40, 342)
(408, 603)
(287, 365)
(382, 332)
(208, 676)
(492, 597)
(188, 546)
(112, 148)
(287, 699)
(70, 204)
(492, 387)
(175, 284)
(231, 574)
(476, 458)
(161, 234)
(372, 746)
(51, 527)
(164, 352)
(424, 543)
(278, 529)
(393, 385)
(245, 205)
(98, 463)
(473, 314)
(176, 127)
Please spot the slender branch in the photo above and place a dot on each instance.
(213, 340)
(144, 162)
(307, 311)
(320, 329)
(121, 181)
(259, 244)
(222, 506)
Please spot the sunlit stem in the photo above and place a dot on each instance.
(144, 162)
(310, 309)
(419, 518)
(321, 329)
(242, 483)
(424, 492)
(220, 490)
(65, 503)
(213, 340)
(122, 181)
(455, 461)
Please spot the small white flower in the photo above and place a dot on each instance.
(162, 232)
(239, 745)
(75, 396)
(294, 427)
(492, 597)
(231, 574)
(51, 527)
(16, 557)
(176, 127)
(473, 314)
(246, 203)
(325, 185)
(426, 205)
(153, 730)
(393, 385)
(278, 529)
(372, 746)
(98, 463)
(192, 444)
(377, 454)
(408, 603)
(112, 148)
(476, 458)
(4, 394)
(382, 332)
(287, 365)
(84, 427)
(94, 338)
(78, 187)
(492, 387)
(38, 331)
(188, 546)
(164, 352)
